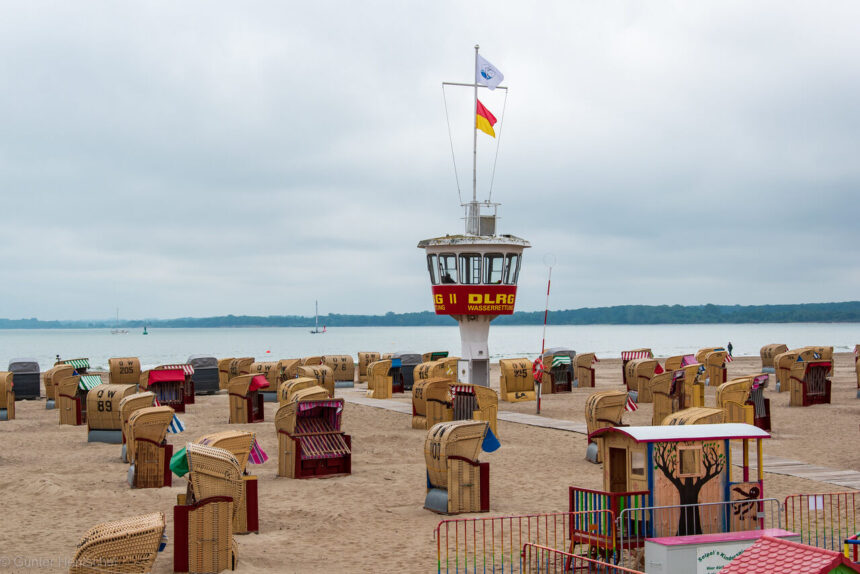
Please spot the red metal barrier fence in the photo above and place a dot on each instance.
(494, 544)
(823, 520)
(543, 560)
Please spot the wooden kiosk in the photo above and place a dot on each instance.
(670, 466)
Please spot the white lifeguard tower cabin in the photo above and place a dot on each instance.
(473, 277)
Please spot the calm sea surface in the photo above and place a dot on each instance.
(175, 345)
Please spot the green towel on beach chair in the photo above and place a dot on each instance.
(179, 463)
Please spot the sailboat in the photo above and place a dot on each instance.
(316, 328)
(116, 330)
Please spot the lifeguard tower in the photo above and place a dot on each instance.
(473, 275)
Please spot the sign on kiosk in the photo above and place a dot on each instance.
(474, 299)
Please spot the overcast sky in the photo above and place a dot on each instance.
(203, 158)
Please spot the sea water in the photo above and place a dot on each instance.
(163, 346)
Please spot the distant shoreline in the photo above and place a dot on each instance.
(844, 312)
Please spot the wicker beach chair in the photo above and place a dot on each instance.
(104, 416)
(431, 403)
(51, 379)
(224, 371)
(364, 359)
(664, 399)
(715, 367)
(287, 369)
(695, 416)
(639, 373)
(768, 353)
(558, 374)
(127, 545)
(342, 368)
(626, 356)
(7, 396)
(240, 366)
(203, 518)
(168, 384)
(734, 398)
(246, 402)
(148, 451)
(27, 378)
(583, 369)
(445, 367)
(323, 375)
(694, 386)
(239, 444)
(673, 363)
(516, 382)
(288, 388)
(127, 406)
(71, 400)
(456, 481)
(602, 409)
(782, 364)
(124, 370)
(379, 379)
(312, 360)
(310, 440)
(808, 378)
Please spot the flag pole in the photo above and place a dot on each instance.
(543, 339)
(475, 137)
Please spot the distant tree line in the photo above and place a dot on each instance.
(846, 312)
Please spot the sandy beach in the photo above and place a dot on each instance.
(55, 485)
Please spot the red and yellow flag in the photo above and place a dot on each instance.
(485, 120)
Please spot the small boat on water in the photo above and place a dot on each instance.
(116, 330)
(316, 328)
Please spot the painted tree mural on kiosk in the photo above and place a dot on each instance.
(666, 459)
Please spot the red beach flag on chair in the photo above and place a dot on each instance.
(630, 406)
(485, 120)
(257, 454)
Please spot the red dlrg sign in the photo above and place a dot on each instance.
(474, 299)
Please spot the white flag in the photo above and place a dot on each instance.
(488, 74)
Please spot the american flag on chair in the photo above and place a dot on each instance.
(257, 454)
(631, 405)
(176, 426)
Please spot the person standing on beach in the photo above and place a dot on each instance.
(729, 348)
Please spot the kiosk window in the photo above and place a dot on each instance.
(470, 268)
(493, 266)
(433, 267)
(512, 269)
(448, 267)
